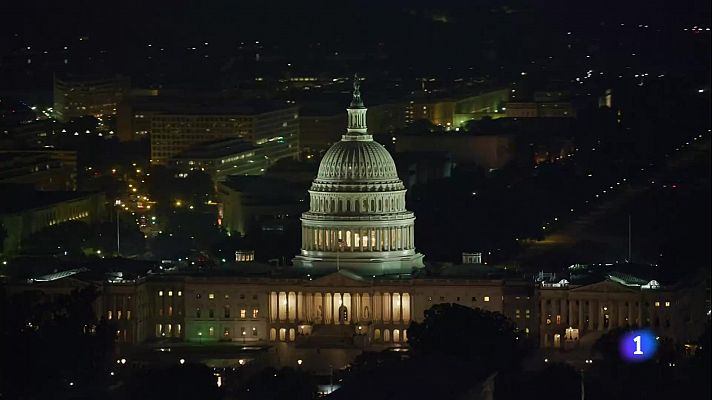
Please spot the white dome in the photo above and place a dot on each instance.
(357, 161)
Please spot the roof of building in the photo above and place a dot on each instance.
(216, 149)
(17, 198)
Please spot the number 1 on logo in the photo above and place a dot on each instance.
(637, 351)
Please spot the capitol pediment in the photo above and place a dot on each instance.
(606, 286)
(341, 278)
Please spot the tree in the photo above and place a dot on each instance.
(51, 341)
(286, 383)
(190, 381)
(473, 336)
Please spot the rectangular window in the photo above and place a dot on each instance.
(442, 298)
(474, 298)
(211, 331)
(118, 314)
(255, 312)
(243, 313)
(211, 295)
(657, 304)
(227, 296)
(243, 332)
(180, 293)
(667, 304)
(128, 314)
(160, 293)
(254, 331)
(558, 320)
(170, 311)
(486, 298)
(197, 312)
(159, 329)
(211, 313)
(226, 332)
(226, 311)
(178, 330)
(169, 329)
(170, 293)
(109, 314)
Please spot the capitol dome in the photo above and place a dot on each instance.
(357, 219)
(357, 161)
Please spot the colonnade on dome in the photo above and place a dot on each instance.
(358, 239)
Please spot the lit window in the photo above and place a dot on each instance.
(211, 295)
(109, 314)
(170, 293)
(160, 293)
(197, 312)
(255, 312)
(486, 298)
(211, 331)
(430, 298)
(128, 314)
(657, 304)
(180, 293)
(517, 314)
(558, 320)
(118, 314)
(227, 296)
(254, 331)
(178, 329)
(226, 332)
(667, 304)
(243, 313)
(170, 311)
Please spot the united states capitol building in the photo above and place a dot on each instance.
(359, 281)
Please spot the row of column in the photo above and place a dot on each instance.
(592, 316)
(391, 203)
(339, 308)
(360, 239)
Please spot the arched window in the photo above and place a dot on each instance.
(396, 336)
(373, 205)
(292, 334)
(282, 335)
(365, 205)
(377, 334)
(332, 205)
(386, 335)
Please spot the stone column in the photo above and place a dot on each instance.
(631, 319)
(570, 321)
(564, 312)
(600, 316)
(323, 308)
(621, 313)
(590, 315)
(544, 312)
(580, 316)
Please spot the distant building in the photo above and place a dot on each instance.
(27, 212)
(257, 200)
(577, 309)
(225, 157)
(174, 131)
(77, 96)
(540, 110)
(43, 169)
(451, 112)
(488, 151)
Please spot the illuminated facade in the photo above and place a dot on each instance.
(173, 133)
(78, 97)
